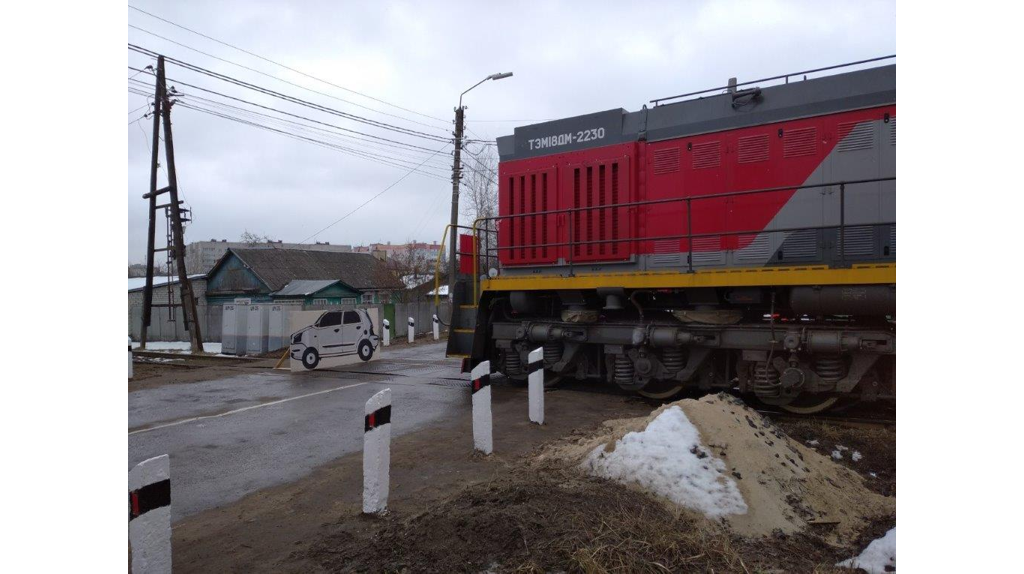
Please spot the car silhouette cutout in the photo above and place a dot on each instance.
(335, 334)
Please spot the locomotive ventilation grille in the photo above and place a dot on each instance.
(596, 186)
(707, 155)
(753, 149)
(855, 136)
(757, 247)
(859, 241)
(800, 142)
(528, 236)
(666, 161)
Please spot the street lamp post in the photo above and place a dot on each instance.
(457, 177)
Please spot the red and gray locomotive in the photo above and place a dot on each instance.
(744, 239)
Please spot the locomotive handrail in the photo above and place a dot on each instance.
(689, 235)
(691, 198)
(786, 76)
(437, 267)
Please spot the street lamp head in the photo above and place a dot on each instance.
(500, 75)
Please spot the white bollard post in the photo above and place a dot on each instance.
(377, 452)
(412, 329)
(149, 515)
(536, 385)
(437, 328)
(387, 333)
(131, 365)
(482, 423)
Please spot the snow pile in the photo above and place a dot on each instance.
(719, 457)
(667, 458)
(178, 347)
(879, 554)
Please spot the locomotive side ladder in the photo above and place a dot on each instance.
(463, 321)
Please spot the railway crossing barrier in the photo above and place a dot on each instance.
(377, 452)
(149, 515)
(536, 385)
(482, 422)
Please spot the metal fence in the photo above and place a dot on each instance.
(164, 328)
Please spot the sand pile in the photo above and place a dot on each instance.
(722, 459)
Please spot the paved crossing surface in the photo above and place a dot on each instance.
(232, 436)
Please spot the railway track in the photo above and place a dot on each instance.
(832, 419)
(855, 416)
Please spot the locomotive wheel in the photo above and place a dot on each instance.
(551, 380)
(661, 390)
(809, 405)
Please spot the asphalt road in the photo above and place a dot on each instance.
(233, 436)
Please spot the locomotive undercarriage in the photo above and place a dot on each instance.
(789, 347)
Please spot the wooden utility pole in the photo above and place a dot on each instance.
(147, 293)
(174, 212)
(460, 113)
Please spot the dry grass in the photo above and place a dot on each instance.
(540, 520)
(544, 517)
(626, 538)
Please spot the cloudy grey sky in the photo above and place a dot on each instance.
(569, 58)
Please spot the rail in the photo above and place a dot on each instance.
(689, 235)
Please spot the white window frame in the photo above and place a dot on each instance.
(367, 298)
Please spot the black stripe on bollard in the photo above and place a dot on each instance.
(484, 381)
(377, 418)
(149, 497)
(535, 366)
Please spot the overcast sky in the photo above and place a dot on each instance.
(569, 58)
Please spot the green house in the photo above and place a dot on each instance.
(316, 292)
(296, 275)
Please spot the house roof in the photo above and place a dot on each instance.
(278, 267)
(139, 283)
(304, 287)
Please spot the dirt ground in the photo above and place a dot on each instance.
(273, 530)
(454, 511)
(153, 370)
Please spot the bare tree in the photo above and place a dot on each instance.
(479, 198)
(255, 239)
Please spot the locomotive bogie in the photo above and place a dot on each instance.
(660, 344)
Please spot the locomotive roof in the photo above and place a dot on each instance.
(830, 94)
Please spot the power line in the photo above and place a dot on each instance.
(145, 105)
(244, 101)
(386, 160)
(305, 127)
(285, 97)
(511, 121)
(283, 80)
(297, 125)
(399, 180)
(223, 43)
